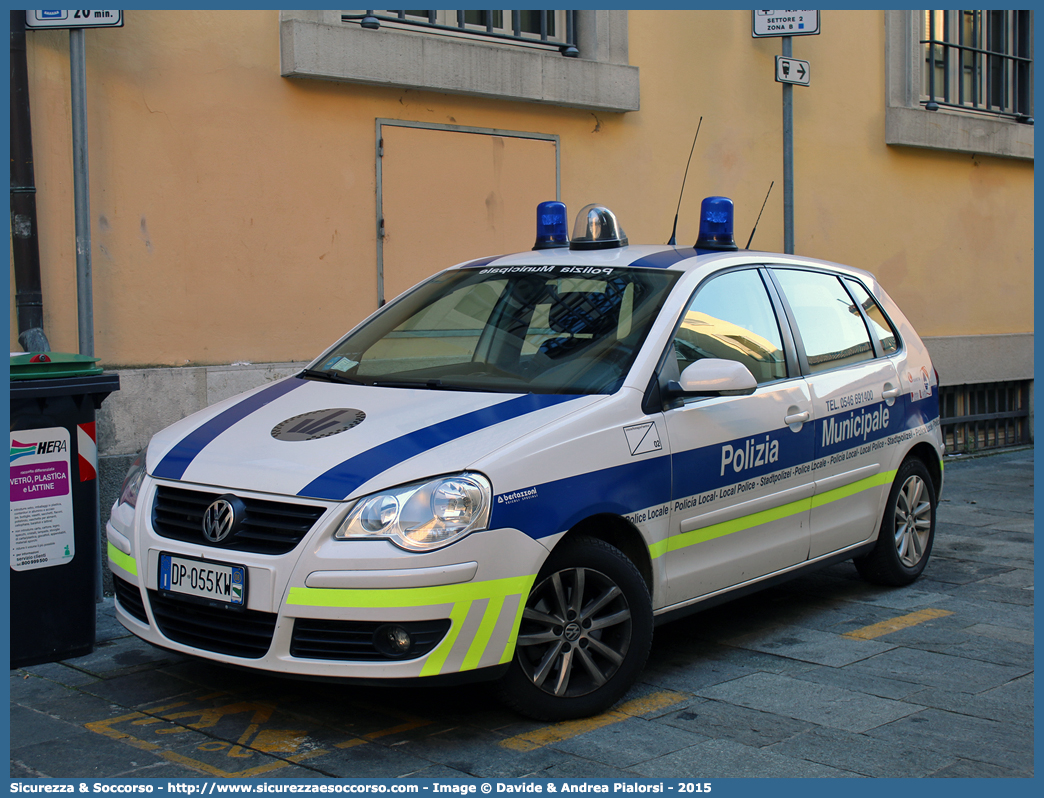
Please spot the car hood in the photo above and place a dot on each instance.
(333, 441)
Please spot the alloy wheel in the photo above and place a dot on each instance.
(575, 632)
(913, 521)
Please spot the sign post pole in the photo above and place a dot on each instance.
(788, 155)
(76, 21)
(786, 25)
(81, 191)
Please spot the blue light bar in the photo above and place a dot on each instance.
(552, 230)
(716, 217)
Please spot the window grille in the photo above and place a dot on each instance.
(985, 416)
(979, 61)
(543, 29)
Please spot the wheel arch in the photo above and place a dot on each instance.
(927, 454)
(619, 533)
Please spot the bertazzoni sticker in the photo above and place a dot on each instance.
(317, 424)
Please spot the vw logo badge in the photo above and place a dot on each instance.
(219, 520)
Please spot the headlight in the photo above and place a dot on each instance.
(132, 482)
(424, 515)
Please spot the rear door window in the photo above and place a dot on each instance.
(828, 321)
(879, 324)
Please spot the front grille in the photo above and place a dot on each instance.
(355, 640)
(238, 633)
(129, 597)
(268, 528)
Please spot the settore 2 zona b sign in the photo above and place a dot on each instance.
(784, 23)
(74, 18)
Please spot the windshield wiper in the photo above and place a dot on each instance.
(438, 385)
(329, 376)
(428, 384)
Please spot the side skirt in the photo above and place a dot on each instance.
(676, 611)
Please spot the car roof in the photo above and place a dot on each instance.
(669, 258)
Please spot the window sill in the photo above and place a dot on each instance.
(403, 59)
(957, 132)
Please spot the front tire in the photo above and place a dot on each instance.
(907, 532)
(585, 634)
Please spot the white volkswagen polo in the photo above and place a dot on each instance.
(519, 467)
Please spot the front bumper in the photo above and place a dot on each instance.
(319, 610)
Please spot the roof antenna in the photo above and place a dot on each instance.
(759, 214)
(674, 232)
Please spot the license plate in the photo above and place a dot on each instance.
(203, 580)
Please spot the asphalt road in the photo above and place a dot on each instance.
(825, 676)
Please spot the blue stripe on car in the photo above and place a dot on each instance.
(548, 508)
(662, 260)
(177, 460)
(474, 264)
(557, 506)
(709, 467)
(342, 479)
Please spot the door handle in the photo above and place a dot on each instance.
(796, 418)
(890, 393)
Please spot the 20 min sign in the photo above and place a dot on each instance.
(74, 18)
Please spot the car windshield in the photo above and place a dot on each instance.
(519, 329)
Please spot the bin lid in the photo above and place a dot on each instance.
(50, 365)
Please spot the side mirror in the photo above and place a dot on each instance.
(713, 377)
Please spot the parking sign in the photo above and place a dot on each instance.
(784, 23)
(74, 18)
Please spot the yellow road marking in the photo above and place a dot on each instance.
(104, 727)
(351, 743)
(270, 741)
(895, 624)
(410, 724)
(538, 738)
(172, 756)
(214, 745)
(279, 741)
(211, 716)
(405, 727)
(168, 707)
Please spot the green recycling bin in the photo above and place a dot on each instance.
(54, 530)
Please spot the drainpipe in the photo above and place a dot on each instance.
(26, 246)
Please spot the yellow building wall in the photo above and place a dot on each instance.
(233, 210)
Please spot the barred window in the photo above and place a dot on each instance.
(979, 61)
(553, 29)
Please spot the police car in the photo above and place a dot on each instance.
(519, 467)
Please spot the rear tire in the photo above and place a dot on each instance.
(907, 532)
(585, 634)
